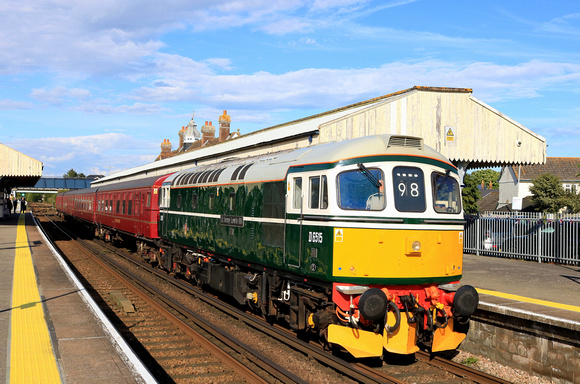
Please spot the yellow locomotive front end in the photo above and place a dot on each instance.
(398, 242)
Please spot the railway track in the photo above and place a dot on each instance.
(174, 348)
(160, 349)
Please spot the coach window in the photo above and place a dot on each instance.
(318, 192)
(194, 201)
(211, 201)
(446, 196)
(297, 193)
(409, 189)
(118, 205)
(148, 199)
(361, 189)
(130, 207)
(178, 201)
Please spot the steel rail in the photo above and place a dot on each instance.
(237, 366)
(357, 372)
(459, 369)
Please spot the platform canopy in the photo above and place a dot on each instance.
(464, 129)
(17, 169)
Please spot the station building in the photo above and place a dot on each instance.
(451, 120)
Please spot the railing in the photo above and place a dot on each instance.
(534, 236)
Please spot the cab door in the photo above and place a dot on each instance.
(293, 227)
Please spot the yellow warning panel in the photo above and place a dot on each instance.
(32, 358)
(357, 342)
(446, 338)
(403, 340)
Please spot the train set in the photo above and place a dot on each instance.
(352, 240)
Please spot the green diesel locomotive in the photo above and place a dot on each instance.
(350, 240)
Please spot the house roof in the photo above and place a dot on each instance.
(488, 201)
(565, 168)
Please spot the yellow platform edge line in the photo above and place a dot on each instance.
(529, 300)
(32, 359)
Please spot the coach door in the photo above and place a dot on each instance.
(293, 229)
(140, 219)
(164, 208)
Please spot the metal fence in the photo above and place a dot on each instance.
(534, 236)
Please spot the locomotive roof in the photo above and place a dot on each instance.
(274, 166)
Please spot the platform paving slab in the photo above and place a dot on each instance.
(83, 350)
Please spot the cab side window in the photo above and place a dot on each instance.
(297, 193)
(318, 195)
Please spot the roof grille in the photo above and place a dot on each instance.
(406, 142)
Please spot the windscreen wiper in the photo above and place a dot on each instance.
(374, 181)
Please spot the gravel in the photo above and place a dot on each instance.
(488, 366)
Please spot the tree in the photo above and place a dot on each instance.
(548, 195)
(487, 176)
(470, 194)
(72, 173)
(571, 201)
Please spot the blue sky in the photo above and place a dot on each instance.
(97, 86)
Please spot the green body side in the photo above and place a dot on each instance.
(232, 233)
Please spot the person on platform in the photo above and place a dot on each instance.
(15, 204)
(23, 205)
(9, 205)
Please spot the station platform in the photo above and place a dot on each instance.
(54, 333)
(548, 293)
(50, 329)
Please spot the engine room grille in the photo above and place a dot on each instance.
(406, 142)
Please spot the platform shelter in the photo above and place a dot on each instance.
(16, 170)
(469, 132)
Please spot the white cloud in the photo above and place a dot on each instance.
(564, 25)
(83, 153)
(59, 94)
(327, 88)
(11, 105)
(134, 109)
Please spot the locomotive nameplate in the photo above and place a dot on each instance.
(232, 221)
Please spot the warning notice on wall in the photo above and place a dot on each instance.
(450, 134)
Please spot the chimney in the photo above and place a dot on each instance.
(181, 137)
(224, 122)
(207, 133)
(165, 149)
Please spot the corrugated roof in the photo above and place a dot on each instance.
(14, 163)
(450, 120)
